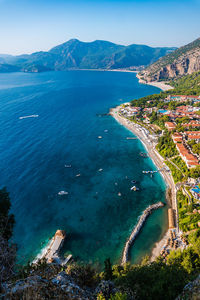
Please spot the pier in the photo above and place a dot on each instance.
(51, 252)
(136, 230)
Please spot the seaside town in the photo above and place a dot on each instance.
(170, 130)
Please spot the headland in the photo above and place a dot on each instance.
(161, 85)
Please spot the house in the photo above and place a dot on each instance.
(183, 98)
(190, 159)
(177, 137)
(193, 135)
(192, 123)
(170, 125)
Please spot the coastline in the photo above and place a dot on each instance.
(159, 162)
(106, 70)
(161, 85)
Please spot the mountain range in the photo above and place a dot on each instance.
(75, 54)
(183, 61)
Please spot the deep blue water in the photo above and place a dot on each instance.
(34, 151)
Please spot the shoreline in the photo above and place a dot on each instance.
(159, 162)
(161, 85)
(106, 70)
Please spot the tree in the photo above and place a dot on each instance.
(153, 117)
(108, 272)
(6, 219)
(7, 250)
(154, 281)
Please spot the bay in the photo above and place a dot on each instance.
(72, 112)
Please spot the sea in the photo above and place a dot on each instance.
(68, 142)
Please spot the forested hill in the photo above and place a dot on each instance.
(182, 61)
(187, 85)
(75, 54)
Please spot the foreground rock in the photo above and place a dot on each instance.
(35, 287)
(191, 291)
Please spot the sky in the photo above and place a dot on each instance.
(27, 26)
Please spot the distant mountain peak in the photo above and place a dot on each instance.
(98, 54)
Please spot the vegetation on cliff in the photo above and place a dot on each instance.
(182, 61)
(7, 249)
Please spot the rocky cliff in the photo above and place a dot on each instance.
(182, 61)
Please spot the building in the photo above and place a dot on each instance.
(177, 137)
(190, 160)
(193, 135)
(183, 98)
(170, 126)
(192, 123)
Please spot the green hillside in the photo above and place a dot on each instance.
(187, 85)
(75, 54)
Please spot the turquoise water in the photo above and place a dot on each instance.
(34, 151)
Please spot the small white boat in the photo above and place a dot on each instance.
(99, 137)
(62, 193)
(100, 170)
(68, 166)
(119, 194)
(116, 183)
(30, 116)
(78, 175)
(106, 130)
(134, 188)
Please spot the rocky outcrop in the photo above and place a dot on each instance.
(183, 61)
(191, 291)
(61, 286)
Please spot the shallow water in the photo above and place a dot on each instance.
(34, 152)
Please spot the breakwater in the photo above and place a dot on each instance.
(137, 229)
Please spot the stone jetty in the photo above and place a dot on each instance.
(55, 246)
(51, 252)
(137, 229)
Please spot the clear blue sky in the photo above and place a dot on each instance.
(33, 25)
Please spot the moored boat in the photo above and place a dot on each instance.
(62, 193)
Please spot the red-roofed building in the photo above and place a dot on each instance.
(170, 125)
(193, 135)
(190, 159)
(192, 123)
(177, 137)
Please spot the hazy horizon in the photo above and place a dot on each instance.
(2, 54)
(39, 25)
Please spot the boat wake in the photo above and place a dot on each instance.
(30, 116)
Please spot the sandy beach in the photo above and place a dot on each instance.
(161, 85)
(150, 145)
